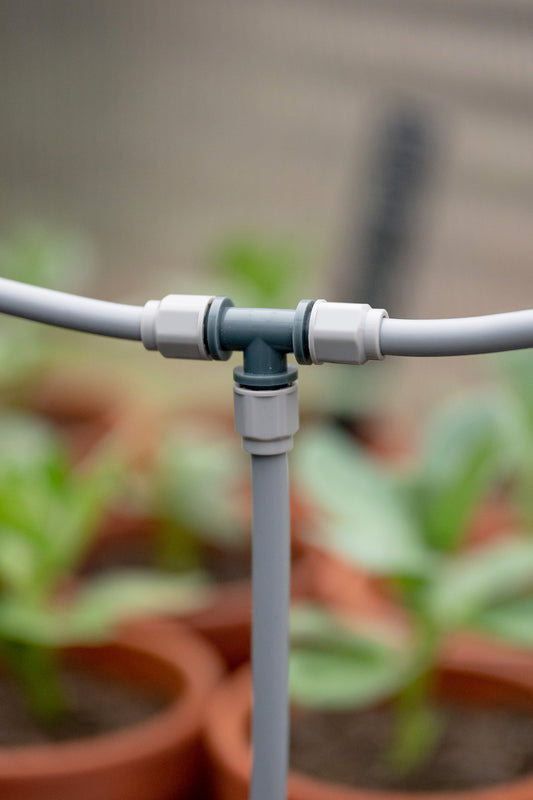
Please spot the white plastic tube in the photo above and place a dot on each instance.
(457, 337)
(70, 310)
(270, 630)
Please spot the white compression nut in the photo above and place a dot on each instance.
(175, 325)
(345, 333)
(266, 420)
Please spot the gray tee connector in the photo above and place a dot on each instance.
(266, 419)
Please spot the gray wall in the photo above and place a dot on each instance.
(155, 128)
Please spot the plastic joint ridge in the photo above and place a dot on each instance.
(208, 327)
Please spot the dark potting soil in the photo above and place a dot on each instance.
(479, 747)
(227, 566)
(119, 553)
(96, 706)
(223, 566)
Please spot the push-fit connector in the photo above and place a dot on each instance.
(208, 327)
(345, 333)
(175, 325)
(267, 420)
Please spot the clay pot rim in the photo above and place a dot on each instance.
(230, 603)
(197, 667)
(227, 744)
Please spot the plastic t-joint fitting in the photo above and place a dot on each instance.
(266, 420)
(345, 333)
(175, 325)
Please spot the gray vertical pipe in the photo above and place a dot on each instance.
(270, 636)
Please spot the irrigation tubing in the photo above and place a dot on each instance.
(270, 634)
(70, 311)
(399, 337)
(457, 337)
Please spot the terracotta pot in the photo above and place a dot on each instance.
(481, 650)
(158, 759)
(345, 588)
(81, 409)
(226, 621)
(226, 735)
(492, 521)
(385, 438)
(85, 411)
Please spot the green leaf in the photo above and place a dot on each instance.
(362, 514)
(100, 607)
(50, 508)
(27, 623)
(37, 254)
(110, 599)
(336, 679)
(517, 368)
(83, 501)
(472, 582)
(511, 621)
(516, 426)
(198, 475)
(417, 731)
(313, 625)
(461, 462)
(263, 271)
(332, 666)
(28, 443)
(17, 562)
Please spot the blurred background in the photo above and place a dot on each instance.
(357, 150)
(388, 144)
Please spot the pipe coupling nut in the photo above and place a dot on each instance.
(175, 325)
(266, 420)
(345, 333)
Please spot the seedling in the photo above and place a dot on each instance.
(48, 516)
(193, 464)
(409, 528)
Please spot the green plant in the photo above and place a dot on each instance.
(260, 271)
(512, 399)
(409, 528)
(199, 495)
(49, 513)
(41, 255)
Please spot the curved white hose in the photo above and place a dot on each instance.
(70, 310)
(398, 337)
(457, 337)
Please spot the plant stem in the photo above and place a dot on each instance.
(35, 669)
(178, 548)
(417, 726)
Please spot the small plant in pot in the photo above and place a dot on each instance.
(385, 708)
(511, 404)
(441, 587)
(77, 692)
(196, 506)
(373, 515)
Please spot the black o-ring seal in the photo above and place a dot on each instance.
(300, 331)
(212, 328)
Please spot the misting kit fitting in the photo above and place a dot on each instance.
(266, 416)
